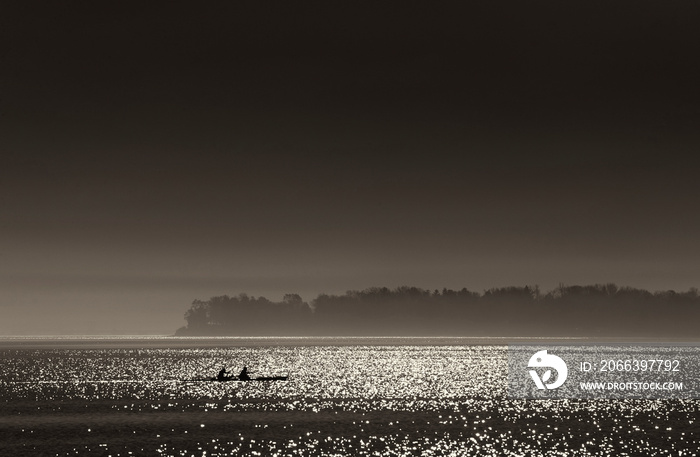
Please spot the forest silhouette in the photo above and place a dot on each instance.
(600, 310)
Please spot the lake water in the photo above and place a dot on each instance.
(354, 397)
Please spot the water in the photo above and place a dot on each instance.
(355, 397)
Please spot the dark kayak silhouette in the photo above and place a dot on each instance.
(244, 376)
(259, 378)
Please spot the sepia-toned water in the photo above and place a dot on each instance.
(351, 397)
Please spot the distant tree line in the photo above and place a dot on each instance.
(600, 310)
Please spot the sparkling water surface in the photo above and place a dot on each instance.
(354, 397)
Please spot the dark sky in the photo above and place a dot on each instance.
(158, 152)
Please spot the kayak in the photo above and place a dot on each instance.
(259, 378)
(270, 378)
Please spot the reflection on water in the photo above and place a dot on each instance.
(339, 400)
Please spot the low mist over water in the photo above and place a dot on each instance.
(594, 311)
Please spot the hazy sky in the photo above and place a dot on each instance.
(158, 152)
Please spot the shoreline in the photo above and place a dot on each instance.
(163, 341)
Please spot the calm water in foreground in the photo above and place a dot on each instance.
(354, 397)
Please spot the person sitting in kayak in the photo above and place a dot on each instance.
(244, 374)
(222, 374)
